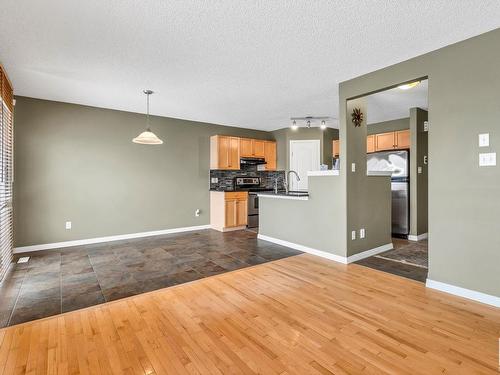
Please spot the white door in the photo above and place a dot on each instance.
(304, 157)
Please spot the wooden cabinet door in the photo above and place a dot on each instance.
(403, 139)
(336, 147)
(222, 152)
(258, 148)
(234, 153)
(246, 149)
(370, 143)
(241, 212)
(230, 216)
(384, 141)
(270, 155)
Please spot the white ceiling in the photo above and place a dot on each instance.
(234, 62)
(395, 103)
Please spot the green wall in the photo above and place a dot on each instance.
(78, 163)
(464, 97)
(389, 126)
(418, 181)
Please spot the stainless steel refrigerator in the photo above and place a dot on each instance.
(397, 162)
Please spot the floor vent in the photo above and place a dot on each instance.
(23, 260)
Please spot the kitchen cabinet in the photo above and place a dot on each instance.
(402, 139)
(384, 141)
(270, 155)
(252, 148)
(398, 140)
(224, 152)
(228, 210)
(336, 147)
(370, 143)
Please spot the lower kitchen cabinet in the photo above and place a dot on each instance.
(228, 210)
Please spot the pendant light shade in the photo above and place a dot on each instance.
(147, 137)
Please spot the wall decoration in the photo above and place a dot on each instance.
(357, 117)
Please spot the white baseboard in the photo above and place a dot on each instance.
(325, 254)
(305, 249)
(57, 245)
(420, 237)
(462, 292)
(370, 253)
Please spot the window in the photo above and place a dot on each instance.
(6, 173)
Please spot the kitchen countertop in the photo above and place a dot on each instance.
(296, 195)
(248, 189)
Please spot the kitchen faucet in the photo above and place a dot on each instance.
(287, 179)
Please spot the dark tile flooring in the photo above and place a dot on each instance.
(68, 279)
(408, 259)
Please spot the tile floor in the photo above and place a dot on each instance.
(408, 259)
(68, 279)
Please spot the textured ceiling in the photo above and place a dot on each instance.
(395, 103)
(244, 63)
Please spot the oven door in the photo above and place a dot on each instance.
(253, 204)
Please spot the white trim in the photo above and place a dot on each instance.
(305, 249)
(329, 172)
(283, 196)
(420, 237)
(56, 245)
(325, 254)
(462, 292)
(370, 253)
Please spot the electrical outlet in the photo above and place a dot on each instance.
(197, 212)
(419, 169)
(214, 180)
(353, 167)
(426, 126)
(353, 235)
(68, 225)
(425, 159)
(362, 233)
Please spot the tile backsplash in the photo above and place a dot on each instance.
(225, 178)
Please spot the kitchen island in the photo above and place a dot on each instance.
(316, 222)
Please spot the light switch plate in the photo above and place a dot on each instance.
(68, 225)
(353, 235)
(353, 167)
(419, 169)
(362, 233)
(488, 159)
(484, 140)
(426, 126)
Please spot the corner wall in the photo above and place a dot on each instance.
(418, 181)
(464, 92)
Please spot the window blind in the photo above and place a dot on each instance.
(6, 173)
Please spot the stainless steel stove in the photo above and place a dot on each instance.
(252, 185)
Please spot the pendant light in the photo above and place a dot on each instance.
(147, 137)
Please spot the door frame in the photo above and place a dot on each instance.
(298, 141)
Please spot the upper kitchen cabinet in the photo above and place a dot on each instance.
(224, 152)
(384, 141)
(370, 143)
(402, 139)
(270, 155)
(252, 148)
(336, 147)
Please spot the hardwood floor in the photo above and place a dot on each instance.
(299, 315)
